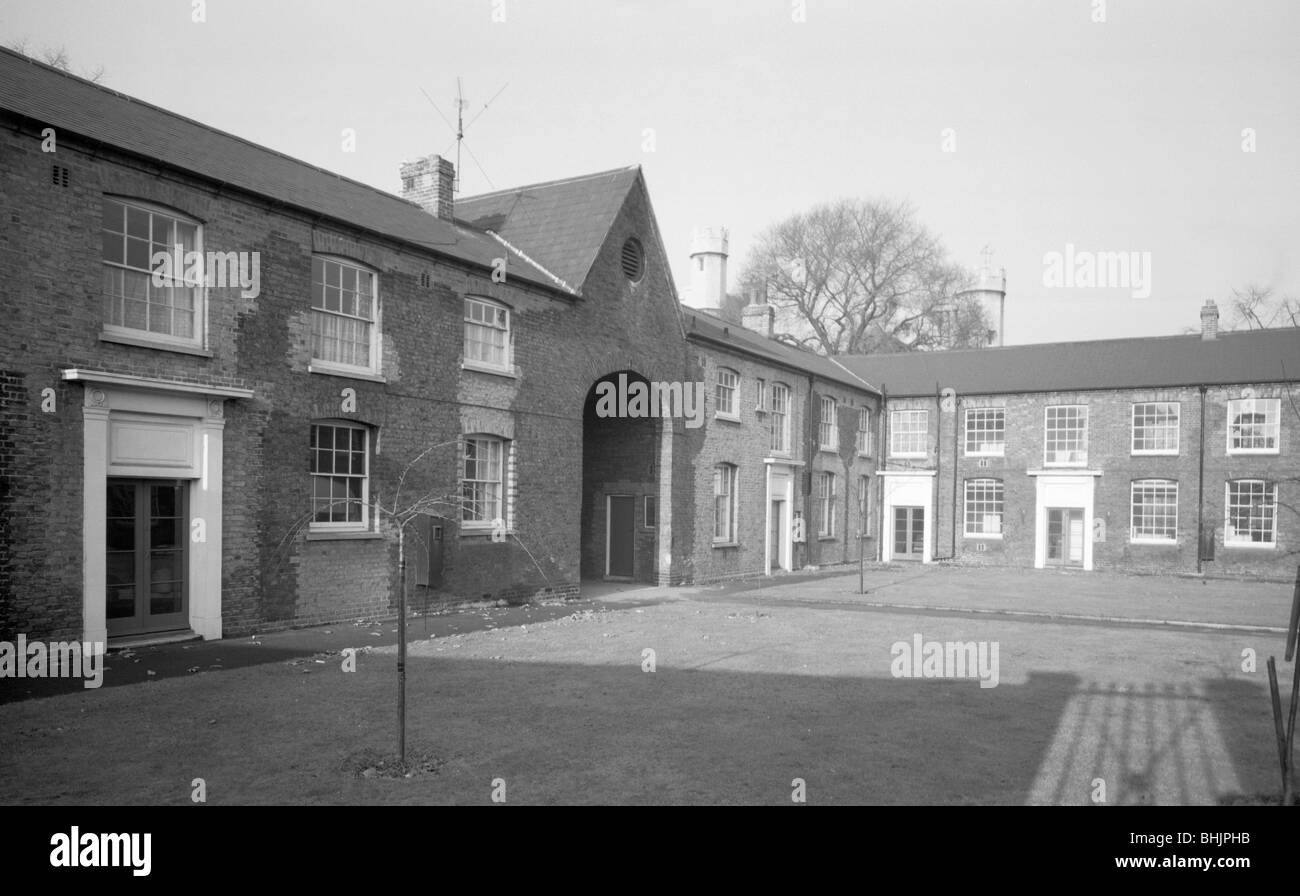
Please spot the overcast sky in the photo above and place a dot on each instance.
(1123, 135)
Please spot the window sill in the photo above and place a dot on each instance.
(146, 342)
(1255, 451)
(1167, 542)
(1136, 453)
(327, 370)
(507, 372)
(985, 536)
(921, 456)
(342, 535)
(1074, 465)
(829, 449)
(726, 544)
(985, 454)
(1250, 545)
(481, 532)
(729, 418)
(828, 538)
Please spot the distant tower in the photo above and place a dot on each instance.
(990, 289)
(708, 269)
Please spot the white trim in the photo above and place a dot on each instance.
(1074, 490)
(1277, 423)
(103, 377)
(376, 367)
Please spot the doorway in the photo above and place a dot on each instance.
(146, 582)
(620, 536)
(1065, 535)
(909, 533)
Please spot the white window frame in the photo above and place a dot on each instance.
(726, 383)
(474, 521)
(864, 432)
(828, 425)
(362, 525)
(1048, 454)
(1151, 484)
(826, 497)
(985, 447)
(647, 502)
(898, 430)
(761, 407)
(1234, 541)
(725, 480)
(864, 504)
(163, 340)
(1160, 428)
(780, 411)
(983, 492)
(1272, 425)
(322, 365)
(506, 365)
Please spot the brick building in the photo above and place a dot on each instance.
(220, 449)
(1175, 454)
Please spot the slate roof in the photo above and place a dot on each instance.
(703, 326)
(560, 224)
(1255, 356)
(72, 105)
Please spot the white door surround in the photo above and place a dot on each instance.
(1063, 488)
(134, 426)
(779, 476)
(906, 488)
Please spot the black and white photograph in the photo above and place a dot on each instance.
(624, 404)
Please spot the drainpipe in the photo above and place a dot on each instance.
(810, 436)
(938, 469)
(1200, 486)
(881, 444)
(956, 446)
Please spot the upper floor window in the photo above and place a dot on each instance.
(864, 431)
(340, 470)
(725, 394)
(168, 307)
(1253, 425)
(344, 317)
(908, 433)
(780, 418)
(724, 504)
(1251, 506)
(828, 427)
(1065, 436)
(483, 485)
(487, 334)
(760, 393)
(1155, 427)
(986, 431)
(1154, 512)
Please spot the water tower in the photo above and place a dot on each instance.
(989, 288)
(708, 269)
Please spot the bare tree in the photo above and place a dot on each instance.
(56, 57)
(1256, 308)
(857, 276)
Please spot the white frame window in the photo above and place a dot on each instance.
(985, 432)
(1155, 427)
(909, 433)
(828, 425)
(827, 501)
(484, 466)
(344, 316)
(1065, 435)
(726, 392)
(340, 476)
(780, 418)
(985, 506)
(1254, 425)
(488, 339)
(649, 511)
(724, 504)
(1153, 511)
(1250, 513)
(761, 393)
(864, 504)
(864, 432)
(171, 314)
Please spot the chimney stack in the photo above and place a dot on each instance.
(758, 315)
(429, 182)
(1209, 321)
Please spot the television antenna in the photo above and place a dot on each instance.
(461, 105)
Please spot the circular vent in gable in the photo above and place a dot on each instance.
(633, 260)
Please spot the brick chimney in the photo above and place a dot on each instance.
(758, 315)
(429, 183)
(1209, 320)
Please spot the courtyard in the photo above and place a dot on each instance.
(1109, 689)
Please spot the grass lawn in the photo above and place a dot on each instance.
(747, 695)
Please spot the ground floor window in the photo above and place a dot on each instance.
(724, 503)
(482, 488)
(984, 503)
(1251, 513)
(340, 476)
(1154, 510)
(826, 498)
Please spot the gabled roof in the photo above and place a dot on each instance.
(1255, 356)
(560, 224)
(705, 327)
(72, 105)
